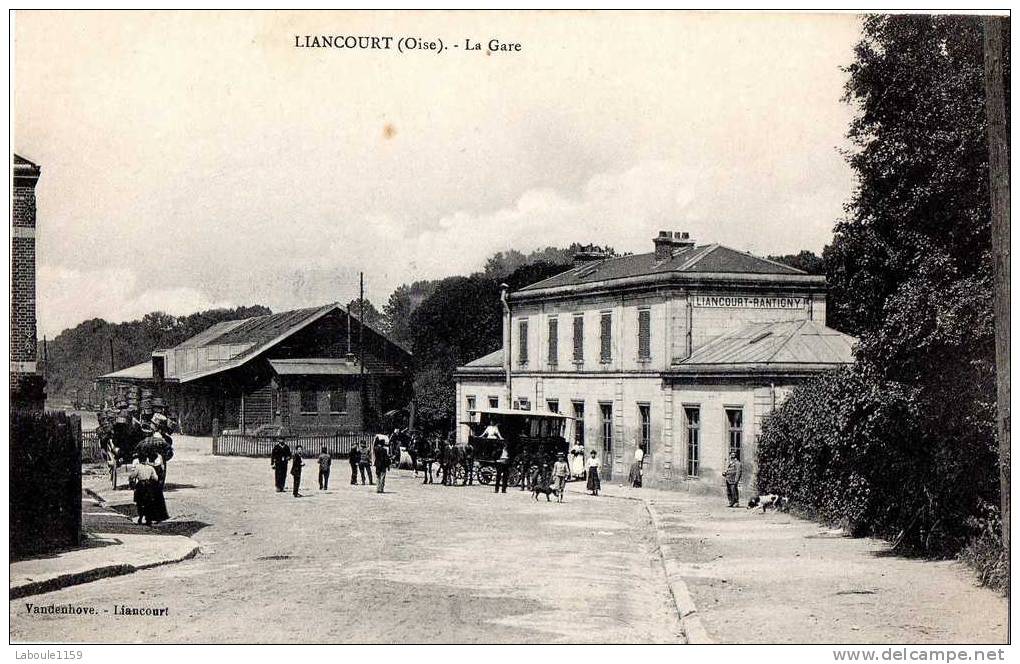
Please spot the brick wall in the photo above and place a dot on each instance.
(25, 384)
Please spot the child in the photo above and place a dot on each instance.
(295, 470)
(560, 472)
(324, 461)
(594, 484)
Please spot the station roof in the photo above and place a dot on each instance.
(686, 262)
(803, 343)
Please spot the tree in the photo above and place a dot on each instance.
(910, 274)
(372, 317)
(401, 304)
(998, 157)
(805, 260)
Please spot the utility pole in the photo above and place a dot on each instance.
(998, 177)
(45, 356)
(113, 367)
(361, 344)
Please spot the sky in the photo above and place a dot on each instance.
(193, 160)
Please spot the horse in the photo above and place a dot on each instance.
(427, 451)
(454, 455)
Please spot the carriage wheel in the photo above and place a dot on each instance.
(458, 473)
(485, 474)
(515, 473)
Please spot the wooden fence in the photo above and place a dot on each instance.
(338, 445)
(91, 452)
(45, 492)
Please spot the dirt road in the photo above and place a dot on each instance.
(420, 564)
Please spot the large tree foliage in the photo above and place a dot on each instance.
(460, 321)
(903, 444)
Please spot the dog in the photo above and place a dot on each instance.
(775, 501)
(546, 489)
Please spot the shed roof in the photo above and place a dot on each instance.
(230, 344)
(142, 371)
(328, 366)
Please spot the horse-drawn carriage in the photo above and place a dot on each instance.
(532, 438)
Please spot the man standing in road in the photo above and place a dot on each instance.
(365, 463)
(295, 470)
(278, 460)
(502, 469)
(353, 459)
(382, 463)
(732, 476)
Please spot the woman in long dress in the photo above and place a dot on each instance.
(577, 461)
(635, 468)
(148, 496)
(594, 484)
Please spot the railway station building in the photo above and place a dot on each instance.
(683, 350)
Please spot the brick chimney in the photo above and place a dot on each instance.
(669, 241)
(589, 254)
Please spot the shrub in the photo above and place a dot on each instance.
(876, 457)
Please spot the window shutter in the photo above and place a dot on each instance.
(578, 339)
(553, 341)
(644, 334)
(522, 343)
(607, 337)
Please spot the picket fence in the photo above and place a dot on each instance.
(337, 445)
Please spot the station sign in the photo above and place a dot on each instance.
(749, 302)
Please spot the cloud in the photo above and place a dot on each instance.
(623, 209)
(68, 296)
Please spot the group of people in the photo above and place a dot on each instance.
(281, 458)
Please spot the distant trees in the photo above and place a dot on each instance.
(372, 316)
(807, 261)
(79, 354)
(460, 321)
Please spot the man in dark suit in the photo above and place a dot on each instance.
(382, 463)
(278, 459)
(354, 459)
(295, 470)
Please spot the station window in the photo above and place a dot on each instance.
(523, 403)
(579, 422)
(337, 400)
(470, 405)
(493, 402)
(309, 402)
(644, 334)
(645, 415)
(606, 337)
(735, 431)
(693, 417)
(578, 338)
(553, 404)
(554, 342)
(606, 411)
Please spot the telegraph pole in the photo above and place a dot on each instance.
(113, 367)
(998, 177)
(361, 344)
